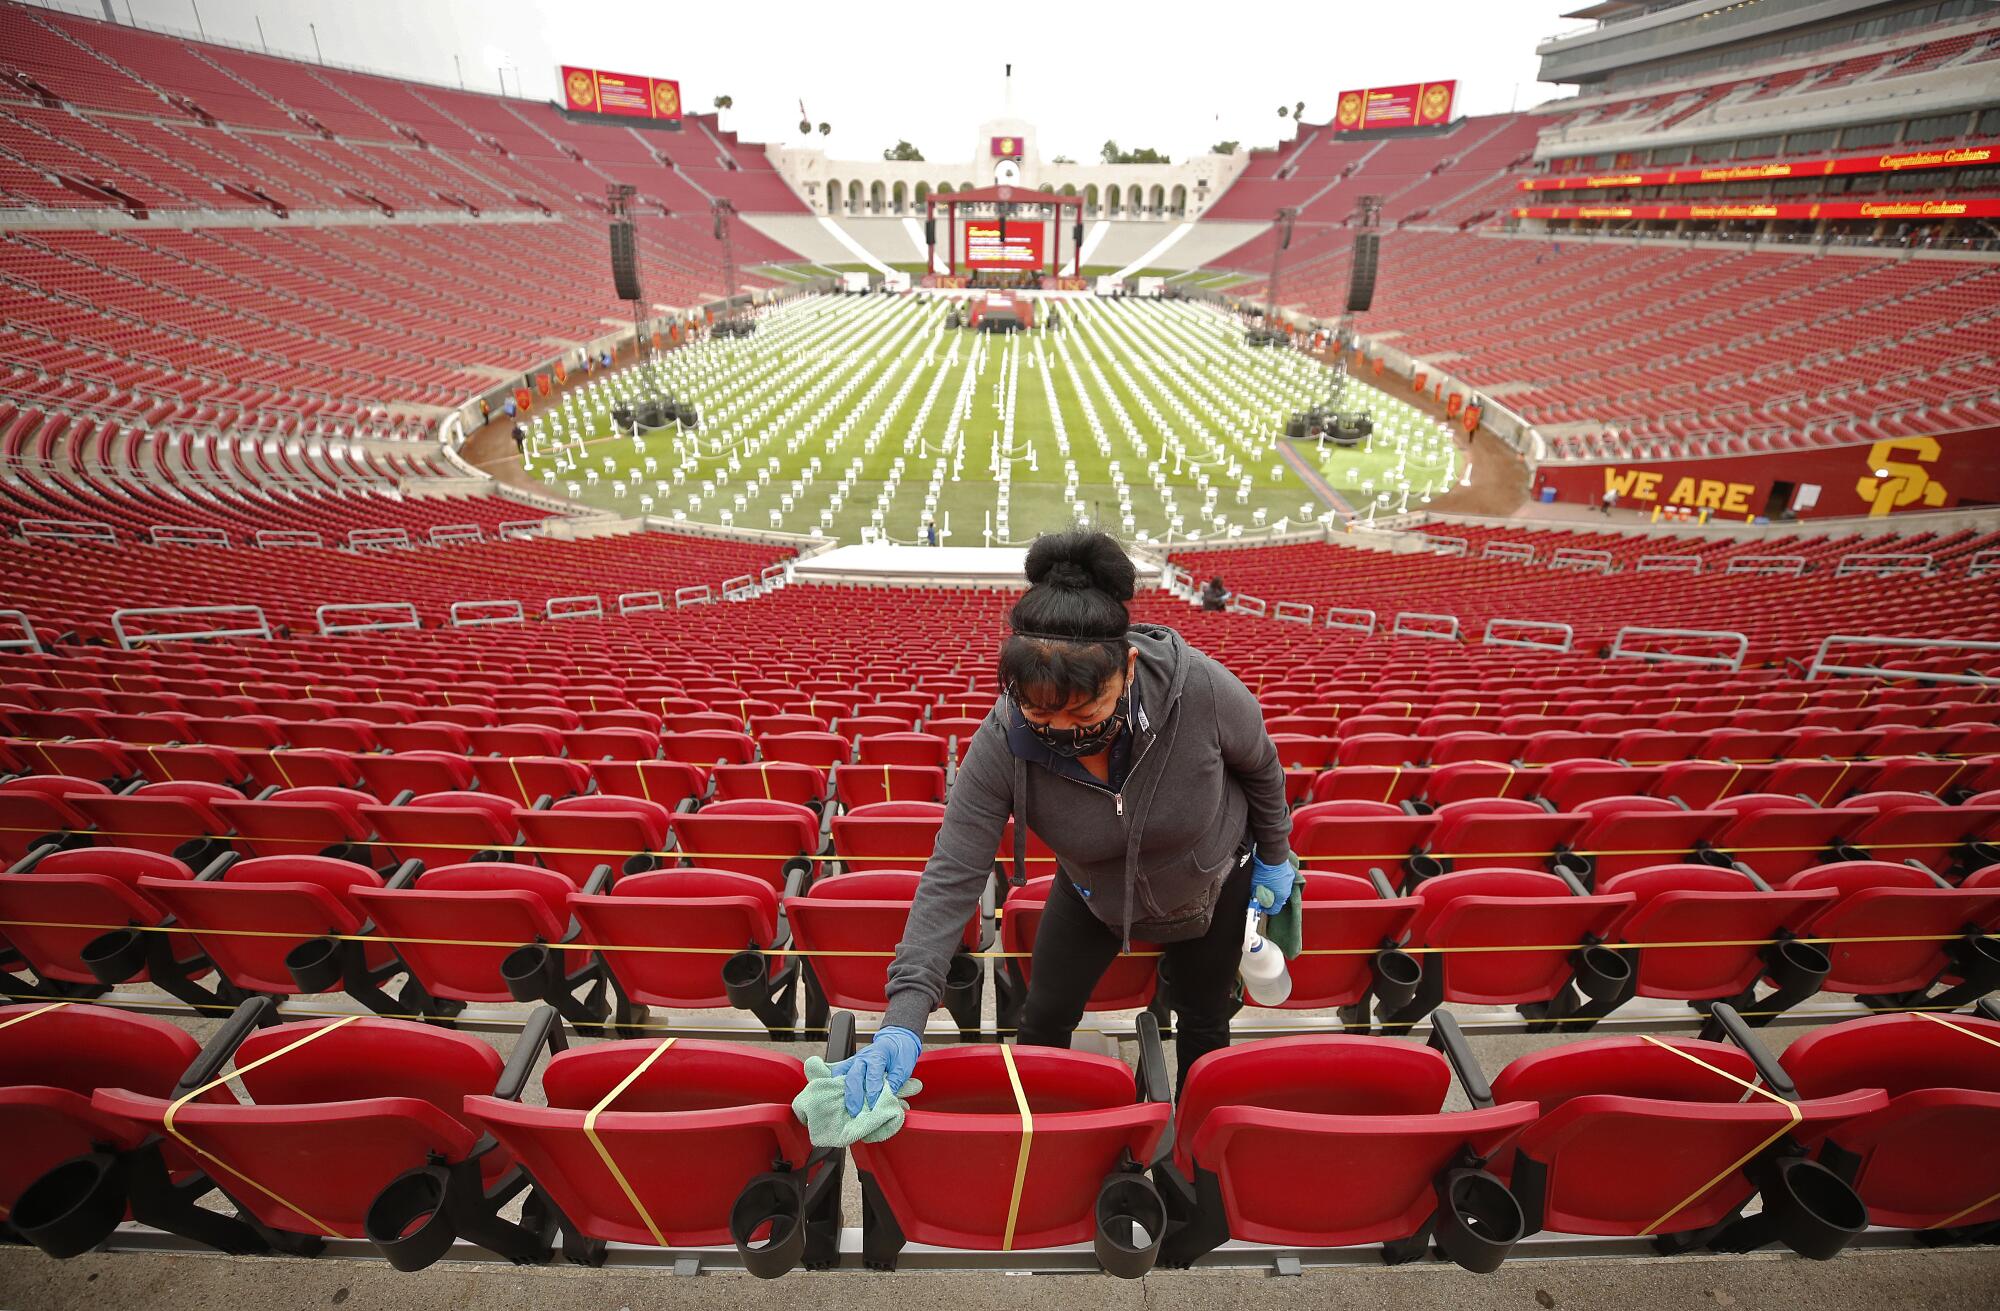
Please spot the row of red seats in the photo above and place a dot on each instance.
(411, 1136)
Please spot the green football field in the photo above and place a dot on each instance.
(843, 415)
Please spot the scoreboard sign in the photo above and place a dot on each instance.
(985, 249)
(622, 95)
(1413, 104)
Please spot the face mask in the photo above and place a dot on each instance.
(1073, 743)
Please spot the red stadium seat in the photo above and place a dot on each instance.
(1261, 1127)
(1656, 1138)
(697, 1128)
(1090, 1139)
(1927, 1160)
(340, 1117)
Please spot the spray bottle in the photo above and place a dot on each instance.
(1265, 975)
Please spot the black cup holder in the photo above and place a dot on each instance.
(1813, 1211)
(746, 980)
(1131, 1219)
(1842, 852)
(1478, 1220)
(1423, 866)
(1796, 964)
(315, 965)
(1602, 973)
(961, 975)
(354, 853)
(1579, 867)
(1717, 859)
(531, 973)
(198, 853)
(409, 1221)
(643, 863)
(1397, 976)
(75, 1206)
(116, 956)
(772, 1205)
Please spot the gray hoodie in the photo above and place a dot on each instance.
(1153, 856)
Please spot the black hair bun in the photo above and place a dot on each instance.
(1079, 560)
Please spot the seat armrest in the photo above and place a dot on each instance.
(255, 1013)
(406, 874)
(1151, 1081)
(1733, 1027)
(543, 1029)
(1447, 1038)
(215, 869)
(404, 798)
(840, 1036)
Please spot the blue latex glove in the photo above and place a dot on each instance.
(1270, 885)
(886, 1062)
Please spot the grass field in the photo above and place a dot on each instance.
(1137, 404)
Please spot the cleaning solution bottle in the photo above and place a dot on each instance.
(1265, 976)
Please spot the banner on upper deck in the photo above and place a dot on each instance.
(1413, 104)
(624, 95)
(1975, 207)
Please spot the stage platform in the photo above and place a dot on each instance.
(883, 562)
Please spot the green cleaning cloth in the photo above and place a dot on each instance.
(822, 1107)
(1283, 929)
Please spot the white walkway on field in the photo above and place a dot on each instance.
(858, 250)
(1152, 257)
(884, 560)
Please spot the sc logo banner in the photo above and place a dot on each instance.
(1907, 483)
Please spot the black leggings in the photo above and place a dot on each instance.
(1073, 948)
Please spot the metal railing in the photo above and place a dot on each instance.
(1821, 665)
(740, 588)
(287, 537)
(1789, 565)
(573, 607)
(1883, 564)
(1445, 545)
(695, 594)
(1620, 651)
(67, 530)
(774, 575)
(187, 535)
(1681, 563)
(1293, 612)
(477, 614)
(365, 538)
(1420, 627)
(127, 639)
(28, 641)
(1241, 604)
(1491, 638)
(1350, 619)
(330, 626)
(1517, 552)
(1983, 563)
(631, 603)
(1577, 557)
(521, 529)
(445, 534)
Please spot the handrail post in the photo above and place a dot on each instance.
(1821, 665)
(477, 614)
(1351, 619)
(28, 641)
(405, 611)
(128, 640)
(1421, 628)
(1733, 663)
(1490, 638)
(573, 607)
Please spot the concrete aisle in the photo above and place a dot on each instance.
(1861, 1281)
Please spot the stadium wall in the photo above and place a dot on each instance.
(1922, 473)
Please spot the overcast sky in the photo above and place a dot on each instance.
(1175, 76)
